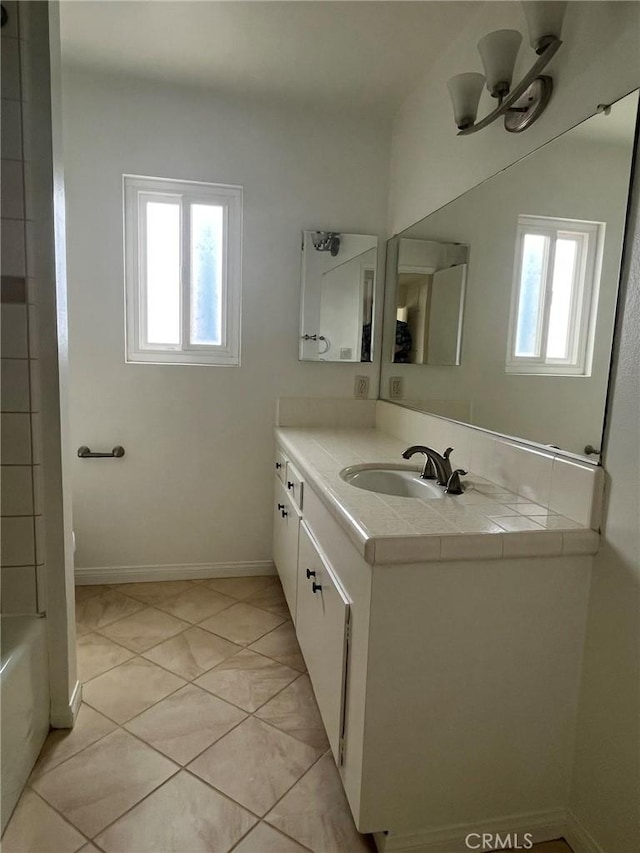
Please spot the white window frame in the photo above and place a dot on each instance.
(137, 190)
(584, 301)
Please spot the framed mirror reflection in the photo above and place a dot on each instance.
(500, 306)
(338, 288)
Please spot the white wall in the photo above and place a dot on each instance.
(598, 63)
(430, 165)
(195, 485)
(606, 780)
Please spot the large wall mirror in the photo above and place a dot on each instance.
(500, 306)
(337, 296)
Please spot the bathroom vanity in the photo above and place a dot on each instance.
(444, 647)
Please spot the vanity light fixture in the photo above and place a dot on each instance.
(326, 241)
(523, 104)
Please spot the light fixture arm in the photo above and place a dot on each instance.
(518, 91)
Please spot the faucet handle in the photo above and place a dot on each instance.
(448, 453)
(454, 486)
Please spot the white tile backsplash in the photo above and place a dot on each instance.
(325, 411)
(576, 491)
(572, 489)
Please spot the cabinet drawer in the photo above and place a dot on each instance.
(322, 628)
(281, 465)
(286, 523)
(294, 484)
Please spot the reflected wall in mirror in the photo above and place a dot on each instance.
(544, 240)
(337, 296)
(431, 279)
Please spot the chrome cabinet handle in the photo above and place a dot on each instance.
(315, 587)
(85, 453)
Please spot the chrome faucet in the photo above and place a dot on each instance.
(437, 467)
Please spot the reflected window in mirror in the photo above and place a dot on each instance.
(544, 240)
(338, 288)
(555, 296)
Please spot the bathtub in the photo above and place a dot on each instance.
(24, 688)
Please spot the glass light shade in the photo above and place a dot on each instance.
(544, 19)
(465, 91)
(499, 51)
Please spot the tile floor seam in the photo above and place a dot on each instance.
(220, 636)
(141, 651)
(277, 829)
(260, 654)
(121, 724)
(209, 745)
(29, 787)
(136, 804)
(299, 779)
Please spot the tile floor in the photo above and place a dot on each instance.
(198, 732)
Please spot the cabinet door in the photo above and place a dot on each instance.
(322, 626)
(286, 522)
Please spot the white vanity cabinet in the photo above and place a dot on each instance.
(286, 525)
(448, 688)
(322, 626)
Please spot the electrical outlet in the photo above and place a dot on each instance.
(361, 388)
(395, 387)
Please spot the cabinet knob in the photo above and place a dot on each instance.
(315, 587)
(289, 485)
(278, 466)
(284, 513)
(281, 506)
(310, 574)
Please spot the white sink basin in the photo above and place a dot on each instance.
(391, 480)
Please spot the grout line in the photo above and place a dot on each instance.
(28, 787)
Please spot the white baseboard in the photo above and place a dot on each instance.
(64, 718)
(578, 838)
(537, 826)
(186, 571)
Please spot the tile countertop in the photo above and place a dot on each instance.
(486, 522)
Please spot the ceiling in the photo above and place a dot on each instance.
(362, 55)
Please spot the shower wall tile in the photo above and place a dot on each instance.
(11, 131)
(21, 488)
(12, 204)
(19, 588)
(13, 320)
(10, 83)
(15, 385)
(16, 439)
(16, 490)
(18, 542)
(13, 260)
